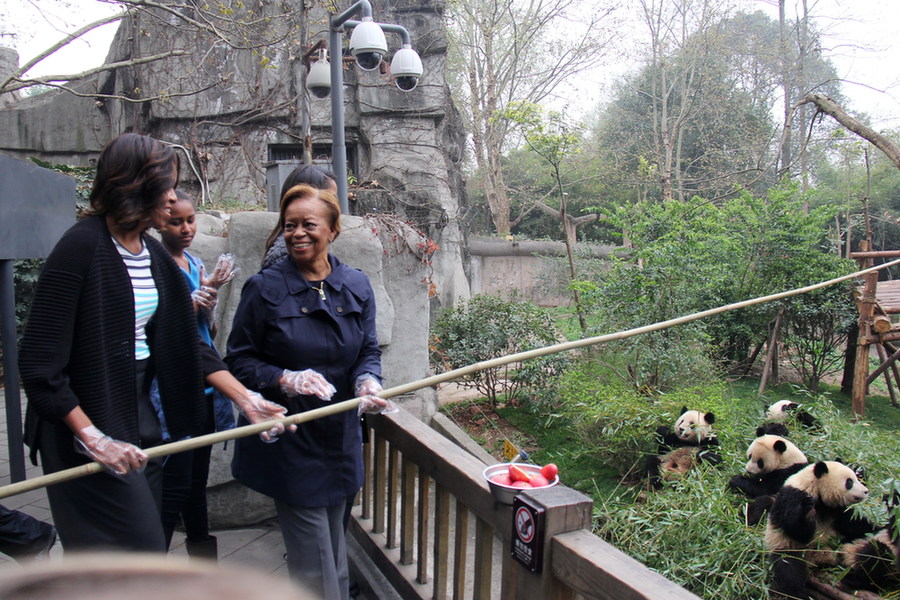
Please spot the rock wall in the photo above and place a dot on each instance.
(230, 111)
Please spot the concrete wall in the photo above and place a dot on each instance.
(537, 271)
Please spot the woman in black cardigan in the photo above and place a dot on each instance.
(112, 310)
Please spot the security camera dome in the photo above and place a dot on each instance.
(368, 44)
(406, 83)
(318, 80)
(406, 68)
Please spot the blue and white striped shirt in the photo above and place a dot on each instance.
(146, 298)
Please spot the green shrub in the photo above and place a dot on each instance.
(816, 332)
(489, 327)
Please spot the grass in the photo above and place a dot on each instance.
(693, 532)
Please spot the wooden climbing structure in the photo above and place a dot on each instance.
(877, 301)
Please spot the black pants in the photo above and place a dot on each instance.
(22, 536)
(184, 494)
(104, 511)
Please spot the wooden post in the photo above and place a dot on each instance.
(861, 370)
(883, 356)
(565, 510)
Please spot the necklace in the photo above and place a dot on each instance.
(320, 289)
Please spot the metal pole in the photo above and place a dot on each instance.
(338, 144)
(11, 372)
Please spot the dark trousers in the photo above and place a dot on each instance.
(316, 548)
(21, 535)
(104, 511)
(184, 494)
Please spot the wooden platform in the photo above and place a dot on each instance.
(887, 296)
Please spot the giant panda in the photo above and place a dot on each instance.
(784, 409)
(811, 507)
(771, 459)
(875, 562)
(682, 447)
(692, 428)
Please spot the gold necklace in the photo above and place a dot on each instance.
(319, 289)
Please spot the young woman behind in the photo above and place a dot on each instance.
(185, 474)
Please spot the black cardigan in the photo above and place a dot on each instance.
(78, 345)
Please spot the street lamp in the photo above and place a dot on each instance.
(368, 46)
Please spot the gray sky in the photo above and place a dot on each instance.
(860, 37)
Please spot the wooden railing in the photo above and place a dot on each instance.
(431, 526)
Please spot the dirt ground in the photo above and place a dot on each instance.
(484, 426)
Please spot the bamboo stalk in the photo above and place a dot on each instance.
(255, 429)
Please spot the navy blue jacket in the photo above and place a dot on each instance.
(282, 323)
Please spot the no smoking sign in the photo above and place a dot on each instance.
(528, 534)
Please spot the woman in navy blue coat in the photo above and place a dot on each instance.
(304, 335)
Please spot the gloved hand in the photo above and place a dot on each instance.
(306, 383)
(117, 457)
(223, 273)
(258, 410)
(206, 298)
(367, 387)
(373, 405)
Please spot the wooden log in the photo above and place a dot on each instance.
(882, 324)
(875, 254)
(882, 355)
(882, 367)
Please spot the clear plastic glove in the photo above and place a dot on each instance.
(258, 410)
(306, 383)
(119, 458)
(223, 273)
(206, 298)
(373, 405)
(367, 387)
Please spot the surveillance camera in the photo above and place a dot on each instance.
(318, 80)
(406, 68)
(368, 61)
(367, 44)
(406, 84)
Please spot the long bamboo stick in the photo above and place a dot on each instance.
(255, 429)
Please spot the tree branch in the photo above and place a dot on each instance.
(18, 84)
(834, 110)
(64, 42)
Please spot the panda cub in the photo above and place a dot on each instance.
(693, 428)
(875, 562)
(680, 449)
(811, 506)
(784, 409)
(771, 459)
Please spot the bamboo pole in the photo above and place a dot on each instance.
(257, 428)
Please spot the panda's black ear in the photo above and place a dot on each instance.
(760, 431)
(684, 409)
(710, 418)
(780, 447)
(820, 469)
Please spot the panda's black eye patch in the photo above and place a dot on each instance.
(760, 463)
(849, 484)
